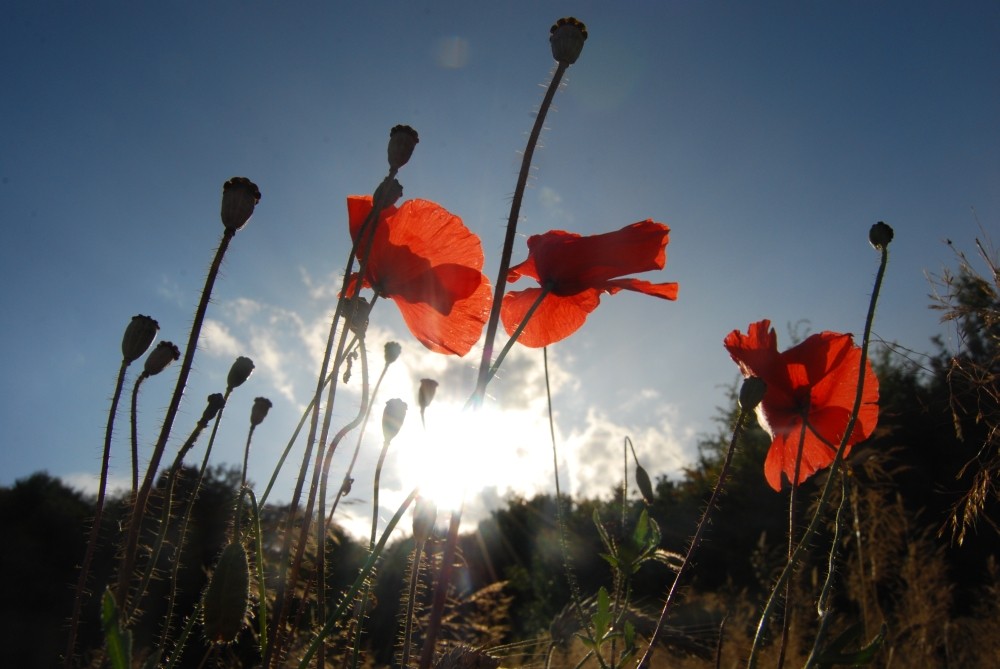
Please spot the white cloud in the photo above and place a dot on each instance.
(89, 483)
(217, 340)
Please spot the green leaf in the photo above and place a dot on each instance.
(641, 529)
(118, 642)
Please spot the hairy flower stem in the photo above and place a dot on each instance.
(182, 532)
(323, 378)
(696, 540)
(824, 499)
(357, 446)
(139, 508)
(81, 583)
(441, 590)
(322, 522)
(411, 596)
(333, 620)
(284, 595)
(508, 243)
(134, 419)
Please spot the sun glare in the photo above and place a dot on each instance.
(464, 452)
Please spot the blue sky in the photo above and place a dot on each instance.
(769, 136)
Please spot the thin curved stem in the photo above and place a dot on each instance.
(508, 243)
(138, 511)
(834, 469)
(334, 618)
(81, 583)
(696, 540)
(133, 421)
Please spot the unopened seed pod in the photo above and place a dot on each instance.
(139, 334)
(239, 197)
(402, 140)
(240, 371)
(161, 356)
(566, 37)
(392, 418)
(227, 597)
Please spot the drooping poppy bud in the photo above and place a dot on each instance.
(880, 235)
(139, 334)
(392, 351)
(239, 372)
(215, 404)
(566, 37)
(388, 193)
(644, 484)
(392, 418)
(424, 516)
(402, 140)
(752, 392)
(261, 405)
(161, 356)
(239, 197)
(426, 394)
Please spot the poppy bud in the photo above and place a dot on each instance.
(161, 356)
(261, 405)
(139, 334)
(239, 197)
(392, 418)
(215, 404)
(880, 235)
(644, 484)
(356, 310)
(402, 140)
(239, 372)
(424, 515)
(392, 351)
(566, 37)
(426, 394)
(752, 392)
(388, 193)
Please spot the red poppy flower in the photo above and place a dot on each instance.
(426, 260)
(575, 270)
(811, 389)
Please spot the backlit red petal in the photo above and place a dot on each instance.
(453, 333)
(569, 263)
(555, 319)
(666, 291)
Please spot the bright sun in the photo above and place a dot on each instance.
(464, 452)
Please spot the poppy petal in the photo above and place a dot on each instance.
(570, 261)
(454, 333)
(667, 291)
(555, 318)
